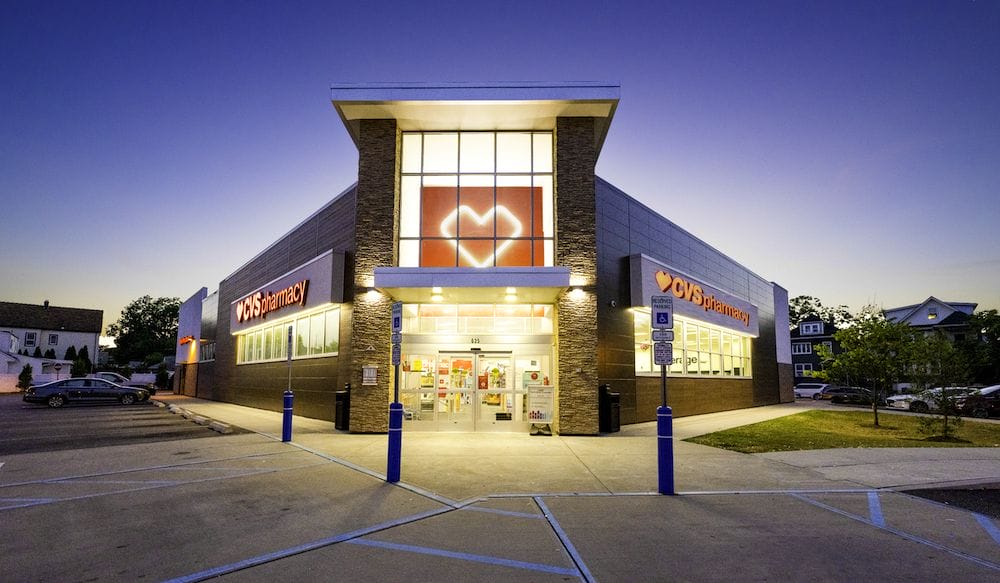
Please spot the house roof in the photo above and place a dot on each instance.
(14, 315)
(904, 313)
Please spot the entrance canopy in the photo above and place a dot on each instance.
(476, 106)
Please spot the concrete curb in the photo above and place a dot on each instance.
(212, 424)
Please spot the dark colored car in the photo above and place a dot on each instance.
(853, 395)
(80, 390)
(982, 403)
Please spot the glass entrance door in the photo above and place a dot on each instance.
(469, 391)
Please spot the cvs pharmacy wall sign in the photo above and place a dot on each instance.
(260, 304)
(315, 283)
(695, 299)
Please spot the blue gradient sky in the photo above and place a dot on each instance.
(846, 151)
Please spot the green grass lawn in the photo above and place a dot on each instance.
(836, 429)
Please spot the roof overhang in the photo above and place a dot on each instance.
(534, 285)
(476, 106)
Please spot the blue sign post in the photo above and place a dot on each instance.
(395, 408)
(663, 319)
(286, 420)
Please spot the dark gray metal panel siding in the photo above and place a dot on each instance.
(313, 380)
(626, 227)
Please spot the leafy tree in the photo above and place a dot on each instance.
(982, 348)
(24, 379)
(874, 351)
(70, 353)
(146, 325)
(938, 363)
(80, 368)
(162, 376)
(50, 353)
(801, 307)
(37, 353)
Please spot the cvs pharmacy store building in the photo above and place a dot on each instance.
(525, 280)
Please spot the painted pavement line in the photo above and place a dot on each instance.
(382, 477)
(987, 523)
(468, 557)
(502, 512)
(584, 572)
(875, 510)
(179, 465)
(298, 549)
(900, 533)
(152, 487)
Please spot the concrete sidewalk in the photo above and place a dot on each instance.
(465, 465)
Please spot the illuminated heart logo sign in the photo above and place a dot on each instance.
(448, 230)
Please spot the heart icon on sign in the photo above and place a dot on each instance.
(448, 230)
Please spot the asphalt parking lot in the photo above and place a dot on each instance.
(29, 427)
(249, 507)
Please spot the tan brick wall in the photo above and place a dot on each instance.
(576, 248)
(377, 200)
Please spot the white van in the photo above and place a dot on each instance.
(809, 390)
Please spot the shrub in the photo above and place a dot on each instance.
(24, 379)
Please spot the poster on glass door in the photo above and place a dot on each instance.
(540, 403)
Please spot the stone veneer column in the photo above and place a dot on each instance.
(576, 248)
(377, 193)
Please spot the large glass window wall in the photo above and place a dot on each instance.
(476, 199)
(314, 335)
(699, 349)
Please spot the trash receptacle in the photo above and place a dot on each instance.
(609, 410)
(342, 410)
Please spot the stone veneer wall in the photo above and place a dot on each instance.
(377, 200)
(576, 248)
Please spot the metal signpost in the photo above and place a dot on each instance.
(663, 335)
(395, 408)
(286, 421)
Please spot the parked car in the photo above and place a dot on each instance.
(928, 400)
(83, 390)
(809, 390)
(118, 379)
(982, 403)
(854, 395)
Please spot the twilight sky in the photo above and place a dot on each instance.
(849, 151)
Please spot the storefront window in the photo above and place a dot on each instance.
(699, 349)
(476, 199)
(314, 335)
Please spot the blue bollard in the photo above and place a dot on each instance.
(395, 442)
(286, 421)
(665, 449)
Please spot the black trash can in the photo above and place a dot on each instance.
(342, 410)
(609, 410)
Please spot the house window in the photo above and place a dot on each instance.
(476, 199)
(53, 339)
(30, 339)
(811, 328)
(803, 369)
(802, 348)
(829, 345)
(932, 313)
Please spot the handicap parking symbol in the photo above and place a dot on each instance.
(663, 318)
